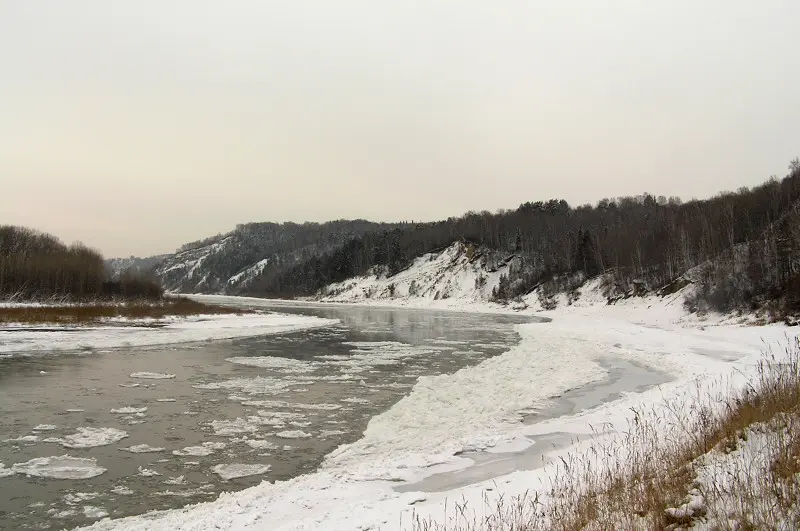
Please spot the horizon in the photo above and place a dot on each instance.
(136, 128)
(593, 204)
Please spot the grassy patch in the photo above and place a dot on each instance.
(95, 313)
(723, 461)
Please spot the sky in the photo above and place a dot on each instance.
(135, 127)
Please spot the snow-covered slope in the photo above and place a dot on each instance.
(234, 261)
(460, 272)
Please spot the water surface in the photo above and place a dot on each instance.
(233, 407)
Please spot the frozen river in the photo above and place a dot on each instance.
(161, 427)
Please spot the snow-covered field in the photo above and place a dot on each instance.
(28, 339)
(481, 407)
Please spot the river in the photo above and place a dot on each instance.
(162, 427)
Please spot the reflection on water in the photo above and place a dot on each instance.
(236, 412)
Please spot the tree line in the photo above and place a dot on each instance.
(36, 265)
(653, 239)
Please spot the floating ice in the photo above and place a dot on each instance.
(180, 480)
(207, 448)
(230, 428)
(91, 437)
(142, 449)
(331, 433)
(24, 438)
(146, 472)
(76, 498)
(286, 365)
(293, 434)
(5, 472)
(355, 400)
(152, 375)
(260, 385)
(63, 467)
(261, 444)
(90, 511)
(238, 470)
(45, 427)
(75, 410)
(166, 400)
(293, 405)
(129, 410)
(122, 490)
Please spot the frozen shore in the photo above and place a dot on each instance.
(136, 333)
(480, 409)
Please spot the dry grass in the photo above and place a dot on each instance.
(95, 313)
(727, 460)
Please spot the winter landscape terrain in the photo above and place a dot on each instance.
(476, 448)
(541, 368)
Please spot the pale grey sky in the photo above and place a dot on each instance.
(138, 126)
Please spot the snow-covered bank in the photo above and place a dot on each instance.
(480, 406)
(27, 339)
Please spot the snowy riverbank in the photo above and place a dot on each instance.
(25, 339)
(481, 407)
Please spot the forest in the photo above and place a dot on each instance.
(646, 238)
(38, 266)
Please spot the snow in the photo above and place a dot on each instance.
(480, 408)
(235, 470)
(91, 437)
(63, 467)
(142, 449)
(174, 330)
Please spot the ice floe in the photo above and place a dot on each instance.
(142, 449)
(152, 376)
(129, 410)
(146, 472)
(90, 511)
(91, 437)
(293, 434)
(207, 448)
(238, 470)
(277, 363)
(230, 428)
(61, 467)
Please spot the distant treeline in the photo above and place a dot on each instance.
(651, 238)
(35, 265)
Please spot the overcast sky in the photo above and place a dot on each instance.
(138, 126)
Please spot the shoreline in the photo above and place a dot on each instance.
(345, 484)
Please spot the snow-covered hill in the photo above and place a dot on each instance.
(460, 272)
(231, 263)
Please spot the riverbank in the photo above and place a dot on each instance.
(27, 338)
(481, 409)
